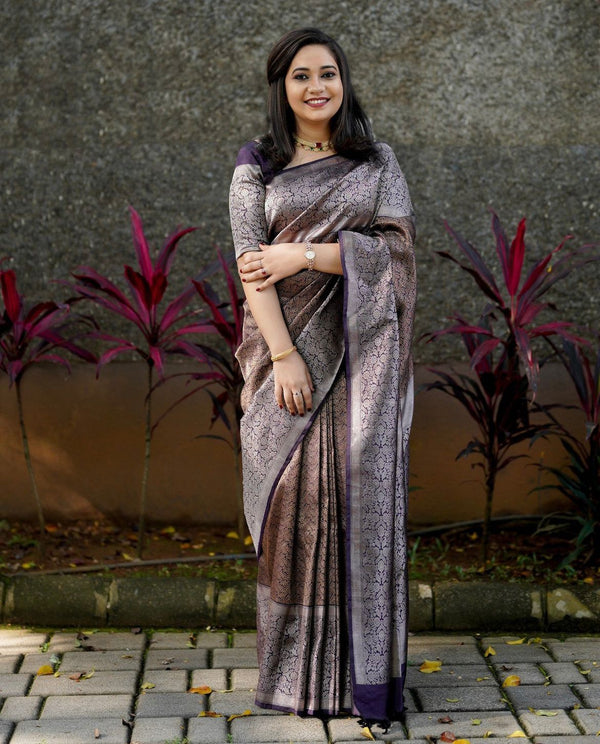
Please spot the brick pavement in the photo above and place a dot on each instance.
(182, 688)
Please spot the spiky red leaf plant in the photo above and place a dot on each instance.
(32, 335)
(160, 325)
(499, 345)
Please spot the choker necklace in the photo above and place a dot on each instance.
(312, 146)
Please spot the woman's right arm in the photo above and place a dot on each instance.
(248, 225)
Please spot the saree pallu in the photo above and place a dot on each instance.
(325, 494)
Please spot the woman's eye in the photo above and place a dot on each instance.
(300, 76)
(328, 74)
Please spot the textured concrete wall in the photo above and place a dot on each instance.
(146, 102)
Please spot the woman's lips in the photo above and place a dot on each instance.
(317, 102)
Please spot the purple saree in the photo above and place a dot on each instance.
(325, 495)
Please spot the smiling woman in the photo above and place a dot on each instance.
(323, 230)
(314, 91)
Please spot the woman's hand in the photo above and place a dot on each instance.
(293, 384)
(272, 263)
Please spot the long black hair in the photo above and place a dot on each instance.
(351, 133)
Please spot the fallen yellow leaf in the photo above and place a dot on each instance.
(167, 530)
(589, 580)
(489, 652)
(462, 741)
(148, 686)
(209, 714)
(428, 667)
(512, 681)
(233, 535)
(487, 734)
(239, 715)
(45, 669)
(453, 700)
(475, 722)
(127, 557)
(28, 565)
(202, 690)
(517, 735)
(366, 732)
(516, 643)
(248, 540)
(547, 713)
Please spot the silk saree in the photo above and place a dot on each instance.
(325, 495)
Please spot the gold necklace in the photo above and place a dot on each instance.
(313, 146)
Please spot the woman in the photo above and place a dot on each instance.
(323, 230)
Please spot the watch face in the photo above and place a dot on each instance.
(310, 255)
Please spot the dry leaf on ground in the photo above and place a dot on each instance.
(239, 715)
(512, 681)
(428, 667)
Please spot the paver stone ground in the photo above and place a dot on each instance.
(253, 729)
(500, 723)
(588, 721)
(534, 725)
(544, 697)
(157, 730)
(70, 731)
(208, 731)
(449, 699)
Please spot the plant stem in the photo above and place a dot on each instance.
(36, 495)
(147, 450)
(490, 484)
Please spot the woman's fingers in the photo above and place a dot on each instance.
(279, 396)
(290, 401)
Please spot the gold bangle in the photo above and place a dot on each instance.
(283, 354)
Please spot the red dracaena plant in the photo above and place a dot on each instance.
(500, 348)
(222, 380)
(580, 481)
(30, 335)
(160, 326)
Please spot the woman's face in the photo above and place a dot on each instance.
(314, 88)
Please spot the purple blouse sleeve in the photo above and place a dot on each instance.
(247, 201)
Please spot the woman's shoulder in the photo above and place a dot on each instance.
(384, 151)
(251, 155)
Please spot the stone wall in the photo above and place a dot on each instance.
(146, 103)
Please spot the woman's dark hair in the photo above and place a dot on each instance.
(351, 133)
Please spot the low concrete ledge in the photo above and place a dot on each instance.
(157, 601)
(489, 606)
(56, 600)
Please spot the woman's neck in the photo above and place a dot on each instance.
(313, 134)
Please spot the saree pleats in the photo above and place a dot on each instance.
(303, 654)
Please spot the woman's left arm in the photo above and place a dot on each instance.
(275, 262)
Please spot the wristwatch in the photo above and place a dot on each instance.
(309, 255)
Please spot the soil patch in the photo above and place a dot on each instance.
(519, 552)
